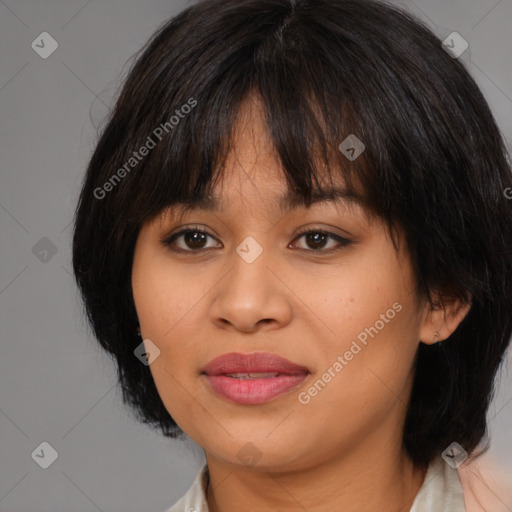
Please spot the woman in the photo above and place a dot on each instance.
(294, 237)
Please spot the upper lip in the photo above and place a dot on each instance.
(255, 362)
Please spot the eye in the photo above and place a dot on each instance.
(193, 240)
(316, 239)
(196, 239)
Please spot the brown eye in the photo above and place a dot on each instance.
(316, 240)
(190, 240)
(194, 239)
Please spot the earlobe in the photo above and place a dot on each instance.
(442, 319)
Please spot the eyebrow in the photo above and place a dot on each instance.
(289, 201)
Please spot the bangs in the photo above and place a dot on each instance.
(313, 171)
(185, 169)
(317, 104)
(340, 104)
(353, 92)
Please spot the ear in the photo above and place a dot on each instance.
(443, 317)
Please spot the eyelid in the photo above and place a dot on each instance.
(342, 241)
(327, 230)
(168, 240)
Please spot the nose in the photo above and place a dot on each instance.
(251, 297)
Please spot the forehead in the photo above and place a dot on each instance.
(252, 151)
(268, 199)
(252, 161)
(283, 203)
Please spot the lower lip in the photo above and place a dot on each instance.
(254, 391)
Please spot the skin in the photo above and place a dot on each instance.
(342, 450)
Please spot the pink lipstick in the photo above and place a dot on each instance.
(253, 378)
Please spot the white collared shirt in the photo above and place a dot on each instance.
(441, 492)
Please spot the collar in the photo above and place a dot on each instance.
(441, 491)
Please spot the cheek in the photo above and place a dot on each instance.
(165, 310)
(360, 386)
(373, 338)
(173, 308)
(360, 304)
(163, 298)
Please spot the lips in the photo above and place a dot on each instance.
(253, 378)
(256, 364)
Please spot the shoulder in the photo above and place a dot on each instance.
(486, 486)
(441, 490)
(195, 498)
(476, 486)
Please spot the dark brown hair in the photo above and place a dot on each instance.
(434, 164)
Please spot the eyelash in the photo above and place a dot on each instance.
(343, 242)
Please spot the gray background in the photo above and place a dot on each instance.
(55, 383)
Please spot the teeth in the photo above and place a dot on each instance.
(251, 375)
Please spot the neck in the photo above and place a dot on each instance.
(354, 483)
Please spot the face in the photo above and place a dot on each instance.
(255, 282)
